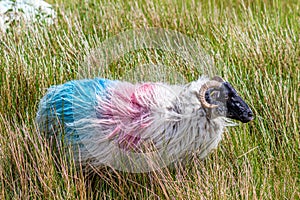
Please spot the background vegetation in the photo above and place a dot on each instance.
(255, 45)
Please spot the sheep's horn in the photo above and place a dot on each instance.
(218, 78)
(203, 89)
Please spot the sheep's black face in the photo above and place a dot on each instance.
(230, 104)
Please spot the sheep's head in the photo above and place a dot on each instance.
(221, 97)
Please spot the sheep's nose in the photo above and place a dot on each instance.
(250, 115)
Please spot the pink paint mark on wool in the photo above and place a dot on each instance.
(129, 141)
(114, 133)
(143, 96)
(127, 113)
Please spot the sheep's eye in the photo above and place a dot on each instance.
(215, 94)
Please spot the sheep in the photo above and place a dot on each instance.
(116, 123)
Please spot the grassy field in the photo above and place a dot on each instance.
(255, 46)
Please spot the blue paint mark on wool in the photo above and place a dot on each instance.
(71, 102)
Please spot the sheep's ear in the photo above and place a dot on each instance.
(218, 78)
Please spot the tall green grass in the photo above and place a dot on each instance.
(255, 46)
